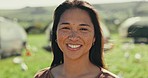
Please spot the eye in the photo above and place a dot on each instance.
(83, 29)
(66, 28)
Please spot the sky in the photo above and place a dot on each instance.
(17, 4)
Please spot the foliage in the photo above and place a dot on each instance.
(30, 15)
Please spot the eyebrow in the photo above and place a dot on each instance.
(84, 25)
(66, 23)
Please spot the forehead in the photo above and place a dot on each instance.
(75, 10)
(75, 13)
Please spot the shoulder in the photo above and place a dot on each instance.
(48, 72)
(107, 74)
(44, 73)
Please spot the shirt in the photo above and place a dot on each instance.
(46, 73)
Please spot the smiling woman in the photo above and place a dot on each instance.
(75, 36)
(77, 43)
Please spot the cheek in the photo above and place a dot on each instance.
(89, 39)
(88, 36)
(60, 39)
(61, 36)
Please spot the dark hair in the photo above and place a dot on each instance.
(96, 51)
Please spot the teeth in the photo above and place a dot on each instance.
(73, 46)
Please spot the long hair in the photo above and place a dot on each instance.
(96, 51)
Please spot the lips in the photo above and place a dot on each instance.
(74, 46)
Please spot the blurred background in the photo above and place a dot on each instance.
(25, 28)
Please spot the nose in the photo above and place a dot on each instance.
(73, 36)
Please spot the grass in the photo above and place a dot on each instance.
(117, 62)
(39, 59)
(121, 59)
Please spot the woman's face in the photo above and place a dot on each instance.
(75, 33)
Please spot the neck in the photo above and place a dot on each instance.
(77, 67)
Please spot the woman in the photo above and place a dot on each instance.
(77, 43)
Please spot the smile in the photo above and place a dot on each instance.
(74, 46)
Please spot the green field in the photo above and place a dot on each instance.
(120, 60)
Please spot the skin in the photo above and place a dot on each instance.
(75, 37)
